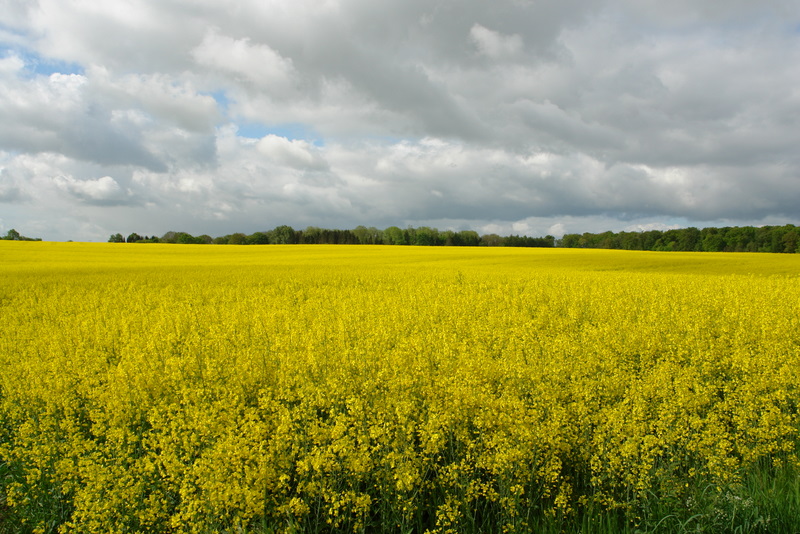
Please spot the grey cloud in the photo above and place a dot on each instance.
(392, 53)
(162, 97)
(103, 191)
(178, 149)
(561, 129)
(53, 115)
(89, 140)
(408, 91)
(10, 190)
(93, 140)
(684, 13)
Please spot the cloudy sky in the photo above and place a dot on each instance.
(510, 116)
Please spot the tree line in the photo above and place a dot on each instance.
(783, 239)
(361, 235)
(13, 235)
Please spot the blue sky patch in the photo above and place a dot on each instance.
(257, 130)
(222, 100)
(38, 65)
(289, 131)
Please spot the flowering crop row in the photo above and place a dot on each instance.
(314, 388)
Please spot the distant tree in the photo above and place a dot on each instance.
(790, 241)
(337, 237)
(514, 241)
(12, 235)
(362, 234)
(729, 239)
(394, 236)
(169, 237)
(376, 236)
(567, 241)
(664, 245)
(257, 238)
(726, 239)
(237, 239)
(184, 238)
(310, 235)
(607, 240)
(527, 241)
(346, 237)
(630, 240)
(587, 240)
(689, 239)
(367, 236)
(468, 238)
(712, 240)
(426, 236)
(763, 239)
(491, 240)
(739, 238)
(282, 235)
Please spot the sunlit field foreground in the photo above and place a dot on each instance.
(181, 388)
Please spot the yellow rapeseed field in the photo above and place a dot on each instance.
(184, 388)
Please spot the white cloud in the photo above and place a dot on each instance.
(296, 154)
(248, 63)
(10, 190)
(11, 65)
(162, 96)
(493, 44)
(557, 230)
(103, 191)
